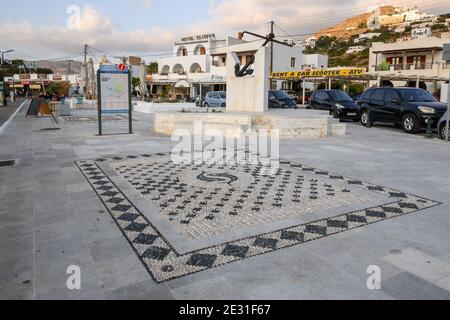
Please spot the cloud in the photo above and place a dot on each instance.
(226, 17)
(141, 4)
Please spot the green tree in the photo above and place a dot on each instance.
(135, 82)
(51, 89)
(152, 67)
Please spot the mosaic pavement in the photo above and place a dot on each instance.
(201, 201)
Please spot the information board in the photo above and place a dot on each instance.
(114, 92)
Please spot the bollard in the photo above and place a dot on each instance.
(429, 132)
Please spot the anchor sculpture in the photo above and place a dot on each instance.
(245, 70)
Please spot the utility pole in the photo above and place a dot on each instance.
(84, 76)
(5, 102)
(69, 71)
(271, 53)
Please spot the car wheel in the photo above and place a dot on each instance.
(206, 105)
(442, 131)
(410, 123)
(365, 118)
(224, 105)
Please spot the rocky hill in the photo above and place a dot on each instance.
(61, 67)
(352, 26)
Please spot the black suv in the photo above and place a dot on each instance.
(408, 107)
(337, 102)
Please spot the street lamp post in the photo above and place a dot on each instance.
(5, 103)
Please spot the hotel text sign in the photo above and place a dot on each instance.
(320, 73)
(197, 38)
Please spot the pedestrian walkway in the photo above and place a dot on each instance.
(68, 201)
(7, 112)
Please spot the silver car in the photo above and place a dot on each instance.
(442, 126)
(215, 99)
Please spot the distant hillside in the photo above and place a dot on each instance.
(352, 26)
(61, 67)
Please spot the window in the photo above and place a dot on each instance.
(416, 95)
(391, 94)
(322, 95)
(339, 96)
(202, 50)
(292, 62)
(377, 94)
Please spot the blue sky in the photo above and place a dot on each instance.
(128, 14)
(38, 29)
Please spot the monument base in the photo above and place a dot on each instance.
(292, 124)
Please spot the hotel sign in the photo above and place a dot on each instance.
(320, 73)
(197, 38)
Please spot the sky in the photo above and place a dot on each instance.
(53, 29)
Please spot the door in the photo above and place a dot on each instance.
(376, 104)
(323, 101)
(216, 99)
(392, 108)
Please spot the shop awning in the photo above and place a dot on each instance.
(183, 84)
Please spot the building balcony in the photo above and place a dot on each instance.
(407, 66)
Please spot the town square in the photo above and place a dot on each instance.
(257, 155)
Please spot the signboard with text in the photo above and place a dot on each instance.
(114, 92)
(351, 72)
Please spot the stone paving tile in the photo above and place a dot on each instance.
(16, 247)
(420, 264)
(47, 163)
(146, 290)
(16, 270)
(51, 274)
(120, 272)
(350, 258)
(17, 292)
(102, 250)
(58, 230)
(60, 249)
(90, 290)
(407, 286)
(8, 231)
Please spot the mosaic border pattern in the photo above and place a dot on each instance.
(164, 263)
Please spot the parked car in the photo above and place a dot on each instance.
(215, 99)
(408, 107)
(442, 126)
(280, 99)
(337, 102)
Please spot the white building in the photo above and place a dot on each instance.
(198, 64)
(311, 42)
(366, 36)
(355, 49)
(414, 58)
(421, 32)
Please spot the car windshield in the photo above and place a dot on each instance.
(223, 95)
(280, 95)
(339, 96)
(416, 95)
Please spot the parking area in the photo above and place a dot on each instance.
(114, 206)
